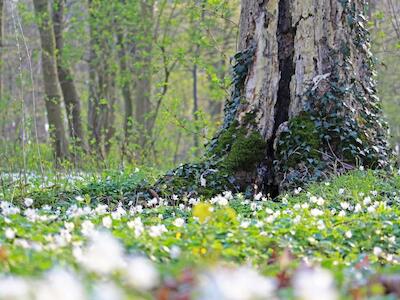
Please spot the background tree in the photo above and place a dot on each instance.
(70, 94)
(50, 78)
(386, 47)
(1, 46)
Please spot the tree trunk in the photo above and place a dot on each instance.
(50, 78)
(144, 72)
(126, 91)
(70, 94)
(1, 48)
(96, 83)
(304, 102)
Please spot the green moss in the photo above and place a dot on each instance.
(226, 139)
(300, 143)
(247, 150)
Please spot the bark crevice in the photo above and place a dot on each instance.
(286, 33)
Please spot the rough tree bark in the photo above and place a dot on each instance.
(50, 78)
(308, 94)
(68, 88)
(303, 103)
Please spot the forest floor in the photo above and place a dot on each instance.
(334, 240)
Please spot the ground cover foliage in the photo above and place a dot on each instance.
(333, 240)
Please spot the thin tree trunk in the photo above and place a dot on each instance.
(50, 78)
(1, 47)
(126, 91)
(71, 98)
(94, 98)
(195, 105)
(144, 73)
(109, 124)
(195, 81)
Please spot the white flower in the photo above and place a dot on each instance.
(137, 225)
(203, 181)
(297, 220)
(367, 201)
(157, 230)
(259, 224)
(22, 243)
(101, 209)
(316, 212)
(342, 213)
(297, 206)
(12, 288)
(79, 198)
(270, 219)
(222, 201)
(142, 274)
(28, 202)
(258, 196)
(46, 207)
(345, 205)
(31, 214)
(241, 283)
(320, 201)
(377, 251)
(103, 255)
(228, 195)
(107, 222)
(313, 199)
(269, 211)
(392, 239)
(312, 240)
(118, 213)
(314, 284)
(179, 222)
(9, 233)
(341, 191)
(305, 206)
(348, 234)
(298, 190)
(371, 209)
(107, 291)
(153, 202)
(357, 208)
(69, 226)
(139, 209)
(245, 224)
(193, 201)
(8, 209)
(87, 228)
(175, 252)
(321, 225)
(61, 285)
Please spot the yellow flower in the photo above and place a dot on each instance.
(178, 235)
(202, 211)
